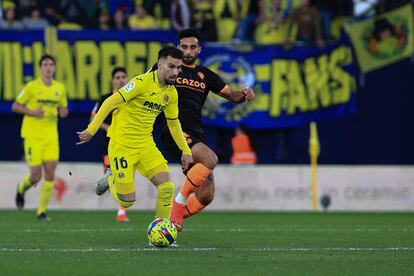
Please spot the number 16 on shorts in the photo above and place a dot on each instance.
(121, 169)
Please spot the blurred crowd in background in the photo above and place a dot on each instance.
(261, 21)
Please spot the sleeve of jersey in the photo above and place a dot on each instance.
(108, 105)
(132, 88)
(216, 83)
(63, 102)
(171, 110)
(176, 132)
(24, 95)
(174, 125)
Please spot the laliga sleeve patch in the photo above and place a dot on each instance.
(21, 93)
(129, 87)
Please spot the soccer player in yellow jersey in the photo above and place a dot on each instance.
(132, 146)
(41, 102)
(119, 79)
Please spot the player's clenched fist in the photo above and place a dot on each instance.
(186, 161)
(249, 94)
(84, 137)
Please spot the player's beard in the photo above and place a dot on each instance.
(189, 60)
(170, 80)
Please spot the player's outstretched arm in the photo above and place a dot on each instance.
(108, 105)
(84, 137)
(104, 125)
(247, 94)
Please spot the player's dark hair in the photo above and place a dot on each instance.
(191, 32)
(170, 51)
(118, 69)
(44, 57)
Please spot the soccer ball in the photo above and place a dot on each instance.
(161, 232)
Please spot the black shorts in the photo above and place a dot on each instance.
(171, 147)
(105, 143)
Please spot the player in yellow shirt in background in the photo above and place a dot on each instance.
(131, 145)
(41, 102)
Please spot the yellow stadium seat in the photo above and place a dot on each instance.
(264, 34)
(220, 5)
(226, 27)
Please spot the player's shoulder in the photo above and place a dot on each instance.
(172, 89)
(32, 83)
(149, 76)
(203, 69)
(142, 81)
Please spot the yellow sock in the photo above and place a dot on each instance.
(46, 193)
(164, 200)
(112, 188)
(25, 184)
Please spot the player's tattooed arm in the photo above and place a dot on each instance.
(247, 94)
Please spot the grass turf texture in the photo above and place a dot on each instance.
(239, 243)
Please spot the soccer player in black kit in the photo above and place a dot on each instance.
(193, 85)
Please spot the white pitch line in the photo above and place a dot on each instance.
(298, 249)
(76, 230)
(241, 230)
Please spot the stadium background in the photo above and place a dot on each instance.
(365, 134)
(377, 132)
(370, 126)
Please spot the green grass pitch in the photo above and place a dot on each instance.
(213, 243)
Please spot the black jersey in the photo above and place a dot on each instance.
(193, 85)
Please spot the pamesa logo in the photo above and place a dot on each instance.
(238, 73)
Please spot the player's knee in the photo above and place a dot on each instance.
(207, 195)
(166, 190)
(206, 199)
(126, 200)
(211, 161)
(35, 176)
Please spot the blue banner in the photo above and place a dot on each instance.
(293, 86)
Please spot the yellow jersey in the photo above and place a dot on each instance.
(36, 94)
(146, 23)
(145, 98)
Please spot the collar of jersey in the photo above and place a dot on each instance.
(155, 77)
(190, 66)
(40, 81)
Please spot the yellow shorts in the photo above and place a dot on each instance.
(39, 150)
(147, 160)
